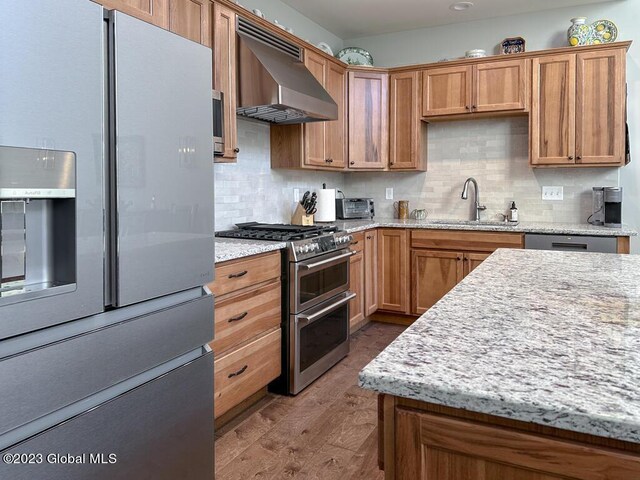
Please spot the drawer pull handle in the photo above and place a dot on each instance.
(239, 274)
(239, 372)
(356, 242)
(238, 317)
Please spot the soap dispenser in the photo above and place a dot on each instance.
(513, 213)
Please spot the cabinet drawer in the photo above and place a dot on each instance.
(243, 372)
(241, 317)
(461, 240)
(358, 242)
(237, 274)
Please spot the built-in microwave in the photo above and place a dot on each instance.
(218, 122)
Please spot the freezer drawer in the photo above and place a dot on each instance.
(573, 243)
(64, 364)
(161, 430)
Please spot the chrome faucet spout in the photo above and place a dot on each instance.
(465, 195)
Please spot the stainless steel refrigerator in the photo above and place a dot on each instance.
(106, 223)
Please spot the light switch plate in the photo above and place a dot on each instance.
(389, 193)
(552, 193)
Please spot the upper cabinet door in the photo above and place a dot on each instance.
(368, 120)
(152, 11)
(446, 91)
(600, 105)
(191, 19)
(336, 131)
(405, 145)
(314, 137)
(224, 75)
(552, 122)
(501, 86)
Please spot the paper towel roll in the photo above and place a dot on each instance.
(326, 205)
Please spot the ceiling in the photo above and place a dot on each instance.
(359, 18)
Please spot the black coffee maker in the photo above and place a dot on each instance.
(613, 207)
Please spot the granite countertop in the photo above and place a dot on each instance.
(233, 248)
(546, 337)
(523, 227)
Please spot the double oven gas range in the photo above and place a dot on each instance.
(315, 298)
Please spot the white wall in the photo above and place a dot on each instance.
(496, 153)
(301, 25)
(250, 191)
(541, 30)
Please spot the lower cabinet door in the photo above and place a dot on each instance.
(473, 260)
(356, 285)
(433, 274)
(244, 371)
(161, 430)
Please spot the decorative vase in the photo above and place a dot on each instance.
(579, 32)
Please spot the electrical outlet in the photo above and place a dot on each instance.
(389, 193)
(552, 193)
(296, 194)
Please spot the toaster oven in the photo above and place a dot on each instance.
(354, 208)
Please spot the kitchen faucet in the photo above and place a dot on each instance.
(465, 194)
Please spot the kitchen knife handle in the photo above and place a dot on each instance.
(239, 274)
(239, 372)
(237, 318)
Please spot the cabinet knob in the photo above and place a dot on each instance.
(236, 150)
(473, 107)
(467, 107)
(352, 162)
(579, 157)
(570, 157)
(326, 160)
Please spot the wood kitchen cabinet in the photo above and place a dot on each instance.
(316, 145)
(433, 274)
(393, 270)
(356, 285)
(191, 19)
(578, 109)
(224, 76)
(152, 11)
(407, 133)
(371, 272)
(489, 86)
(247, 331)
(368, 120)
(187, 18)
(440, 259)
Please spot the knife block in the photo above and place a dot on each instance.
(300, 217)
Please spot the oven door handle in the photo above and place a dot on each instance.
(327, 262)
(304, 319)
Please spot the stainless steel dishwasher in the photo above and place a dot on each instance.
(571, 243)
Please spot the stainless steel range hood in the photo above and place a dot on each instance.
(274, 85)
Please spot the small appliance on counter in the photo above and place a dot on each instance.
(354, 208)
(607, 207)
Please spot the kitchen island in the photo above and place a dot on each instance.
(528, 369)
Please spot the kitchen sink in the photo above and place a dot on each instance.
(482, 223)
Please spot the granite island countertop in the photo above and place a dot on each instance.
(550, 228)
(546, 337)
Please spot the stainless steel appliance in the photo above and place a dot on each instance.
(613, 207)
(354, 208)
(218, 122)
(315, 326)
(274, 84)
(106, 188)
(570, 243)
(597, 215)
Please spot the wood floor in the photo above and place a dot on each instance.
(329, 431)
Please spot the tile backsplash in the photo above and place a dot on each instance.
(251, 191)
(495, 153)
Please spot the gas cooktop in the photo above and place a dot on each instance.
(276, 232)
